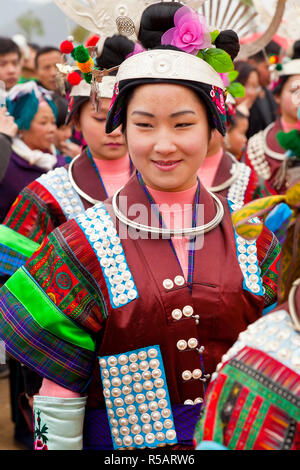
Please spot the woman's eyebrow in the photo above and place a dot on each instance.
(184, 111)
(178, 113)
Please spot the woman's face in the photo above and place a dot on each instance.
(237, 137)
(62, 134)
(289, 99)
(41, 134)
(252, 90)
(167, 135)
(92, 125)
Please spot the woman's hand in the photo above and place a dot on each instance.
(7, 124)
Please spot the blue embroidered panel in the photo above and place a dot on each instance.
(99, 229)
(58, 184)
(137, 399)
(247, 257)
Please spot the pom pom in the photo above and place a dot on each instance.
(88, 77)
(74, 78)
(92, 41)
(290, 141)
(81, 54)
(66, 47)
(87, 66)
(279, 67)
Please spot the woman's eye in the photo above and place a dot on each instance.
(100, 119)
(143, 124)
(184, 124)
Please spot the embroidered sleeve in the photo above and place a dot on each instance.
(268, 254)
(52, 309)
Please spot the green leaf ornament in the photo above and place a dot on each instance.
(218, 59)
(237, 90)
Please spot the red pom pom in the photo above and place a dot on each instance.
(92, 41)
(74, 78)
(66, 47)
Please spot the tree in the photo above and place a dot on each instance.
(30, 24)
(79, 34)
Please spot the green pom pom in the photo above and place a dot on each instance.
(81, 54)
(279, 67)
(73, 54)
(290, 141)
(88, 77)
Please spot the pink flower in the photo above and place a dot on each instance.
(137, 49)
(190, 33)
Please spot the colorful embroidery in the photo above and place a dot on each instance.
(40, 433)
(253, 404)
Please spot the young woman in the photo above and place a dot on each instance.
(134, 289)
(264, 152)
(62, 194)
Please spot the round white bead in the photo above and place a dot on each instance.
(196, 374)
(192, 343)
(179, 280)
(177, 314)
(181, 345)
(186, 375)
(188, 311)
(168, 284)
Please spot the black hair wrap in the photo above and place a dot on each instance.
(115, 51)
(228, 40)
(156, 20)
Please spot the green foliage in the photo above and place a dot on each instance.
(218, 59)
(214, 34)
(236, 89)
(79, 34)
(30, 24)
(232, 76)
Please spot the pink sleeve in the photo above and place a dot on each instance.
(51, 389)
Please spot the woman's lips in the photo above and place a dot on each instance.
(166, 165)
(114, 145)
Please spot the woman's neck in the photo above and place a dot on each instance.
(113, 167)
(288, 124)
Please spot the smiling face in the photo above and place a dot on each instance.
(167, 135)
(41, 134)
(92, 125)
(289, 99)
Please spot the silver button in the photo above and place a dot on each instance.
(179, 280)
(177, 314)
(197, 373)
(188, 311)
(192, 343)
(188, 402)
(168, 284)
(186, 375)
(181, 345)
(198, 400)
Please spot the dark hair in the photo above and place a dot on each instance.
(8, 46)
(115, 51)
(34, 46)
(233, 120)
(279, 87)
(270, 49)
(296, 50)
(42, 51)
(155, 21)
(244, 69)
(159, 18)
(62, 109)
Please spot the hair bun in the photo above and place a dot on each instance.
(228, 40)
(115, 51)
(155, 21)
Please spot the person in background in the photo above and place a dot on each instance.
(10, 62)
(28, 68)
(236, 139)
(45, 64)
(63, 133)
(249, 78)
(264, 110)
(264, 153)
(32, 151)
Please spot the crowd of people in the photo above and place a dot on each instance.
(149, 240)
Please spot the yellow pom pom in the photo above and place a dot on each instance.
(86, 67)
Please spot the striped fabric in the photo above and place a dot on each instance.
(10, 260)
(38, 348)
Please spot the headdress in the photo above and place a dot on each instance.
(23, 100)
